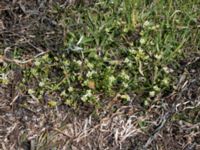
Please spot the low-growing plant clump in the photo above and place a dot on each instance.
(103, 56)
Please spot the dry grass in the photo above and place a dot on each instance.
(171, 121)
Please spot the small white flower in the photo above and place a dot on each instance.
(31, 91)
(142, 41)
(45, 57)
(111, 79)
(90, 73)
(87, 96)
(63, 93)
(130, 64)
(41, 84)
(156, 88)
(152, 93)
(125, 85)
(89, 93)
(125, 76)
(79, 62)
(37, 63)
(70, 89)
(140, 53)
(166, 69)
(152, 43)
(146, 24)
(157, 26)
(132, 51)
(165, 81)
(4, 78)
(66, 62)
(84, 98)
(127, 60)
(158, 56)
(90, 65)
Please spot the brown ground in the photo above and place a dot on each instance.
(22, 25)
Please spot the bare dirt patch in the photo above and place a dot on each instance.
(172, 122)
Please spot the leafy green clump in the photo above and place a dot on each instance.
(109, 48)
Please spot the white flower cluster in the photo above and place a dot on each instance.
(124, 75)
(128, 62)
(89, 65)
(111, 79)
(146, 24)
(140, 54)
(86, 96)
(70, 89)
(91, 73)
(150, 25)
(79, 63)
(4, 78)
